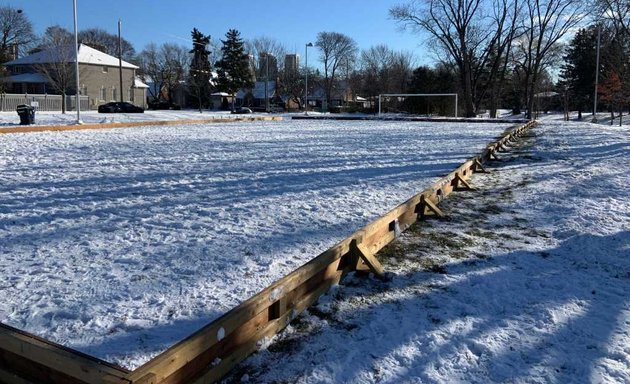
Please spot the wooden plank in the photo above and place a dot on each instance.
(180, 354)
(215, 373)
(19, 348)
(428, 205)
(11, 378)
(460, 183)
(479, 167)
(368, 257)
(132, 124)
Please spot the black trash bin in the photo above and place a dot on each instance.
(26, 113)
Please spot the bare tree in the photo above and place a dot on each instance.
(506, 15)
(616, 13)
(292, 85)
(401, 70)
(375, 64)
(336, 49)
(166, 66)
(16, 33)
(545, 22)
(261, 46)
(385, 70)
(104, 41)
(57, 61)
(462, 30)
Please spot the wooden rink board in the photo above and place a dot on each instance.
(133, 124)
(211, 352)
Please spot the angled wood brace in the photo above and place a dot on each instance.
(460, 184)
(427, 208)
(477, 167)
(365, 260)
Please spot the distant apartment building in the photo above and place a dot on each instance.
(292, 63)
(265, 59)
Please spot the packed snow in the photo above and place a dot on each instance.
(121, 242)
(527, 281)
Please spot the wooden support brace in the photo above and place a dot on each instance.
(477, 167)
(426, 204)
(367, 257)
(460, 183)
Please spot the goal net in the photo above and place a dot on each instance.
(425, 104)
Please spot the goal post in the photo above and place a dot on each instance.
(387, 95)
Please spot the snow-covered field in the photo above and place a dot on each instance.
(121, 242)
(527, 282)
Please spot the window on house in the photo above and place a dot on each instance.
(83, 90)
(105, 69)
(103, 93)
(114, 94)
(130, 95)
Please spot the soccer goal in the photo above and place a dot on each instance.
(418, 103)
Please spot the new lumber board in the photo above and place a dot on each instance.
(133, 124)
(27, 355)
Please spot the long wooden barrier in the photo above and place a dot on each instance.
(208, 354)
(132, 124)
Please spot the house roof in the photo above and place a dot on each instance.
(137, 83)
(259, 90)
(87, 55)
(26, 78)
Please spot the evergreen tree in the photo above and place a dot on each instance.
(578, 72)
(234, 70)
(200, 70)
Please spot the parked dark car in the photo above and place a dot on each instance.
(241, 111)
(163, 104)
(119, 107)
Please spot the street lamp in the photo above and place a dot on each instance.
(599, 34)
(306, 78)
(76, 61)
(267, 82)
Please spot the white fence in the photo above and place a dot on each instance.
(9, 101)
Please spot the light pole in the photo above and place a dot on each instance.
(267, 82)
(306, 78)
(120, 74)
(76, 61)
(599, 34)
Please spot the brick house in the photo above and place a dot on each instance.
(98, 72)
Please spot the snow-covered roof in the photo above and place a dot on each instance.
(87, 55)
(137, 83)
(26, 78)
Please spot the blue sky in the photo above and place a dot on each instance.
(294, 23)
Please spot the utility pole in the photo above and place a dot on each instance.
(76, 62)
(267, 82)
(306, 78)
(122, 98)
(599, 34)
